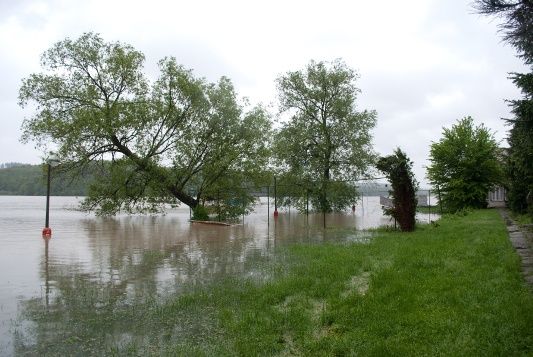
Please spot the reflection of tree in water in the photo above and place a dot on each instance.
(120, 297)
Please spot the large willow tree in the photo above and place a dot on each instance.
(178, 138)
(326, 144)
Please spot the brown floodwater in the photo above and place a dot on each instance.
(136, 256)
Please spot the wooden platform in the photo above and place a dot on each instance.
(211, 222)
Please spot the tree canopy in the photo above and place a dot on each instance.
(520, 153)
(326, 143)
(518, 31)
(178, 138)
(465, 165)
(518, 25)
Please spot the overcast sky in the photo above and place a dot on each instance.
(423, 63)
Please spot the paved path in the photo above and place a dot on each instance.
(522, 240)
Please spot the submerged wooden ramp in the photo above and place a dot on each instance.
(216, 223)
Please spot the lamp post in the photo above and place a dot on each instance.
(51, 161)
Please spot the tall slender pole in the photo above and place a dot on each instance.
(275, 197)
(51, 161)
(268, 204)
(46, 223)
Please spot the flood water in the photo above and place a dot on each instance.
(131, 257)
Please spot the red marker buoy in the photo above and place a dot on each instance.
(276, 213)
(47, 232)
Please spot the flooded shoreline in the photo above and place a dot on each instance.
(128, 258)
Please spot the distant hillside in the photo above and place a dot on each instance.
(30, 180)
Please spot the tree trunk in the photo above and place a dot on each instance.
(154, 172)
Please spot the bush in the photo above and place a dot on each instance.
(199, 213)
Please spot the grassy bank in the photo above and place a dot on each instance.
(429, 209)
(447, 289)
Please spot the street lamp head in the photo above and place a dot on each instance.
(53, 159)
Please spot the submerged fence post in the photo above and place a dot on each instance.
(268, 204)
(275, 198)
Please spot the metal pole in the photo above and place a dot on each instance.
(268, 204)
(275, 197)
(46, 223)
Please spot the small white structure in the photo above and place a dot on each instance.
(497, 197)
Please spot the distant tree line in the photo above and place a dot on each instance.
(7, 165)
(30, 180)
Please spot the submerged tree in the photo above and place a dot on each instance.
(398, 169)
(326, 144)
(179, 138)
(465, 165)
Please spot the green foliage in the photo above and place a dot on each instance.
(326, 140)
(170, 140)
(520, 153)
(398, 169)
(200, 213)
(465, 165)
(518, 25)
(518, 31)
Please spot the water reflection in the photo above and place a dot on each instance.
(95, 274)
(46, 270)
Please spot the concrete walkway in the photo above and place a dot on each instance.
(522, 240)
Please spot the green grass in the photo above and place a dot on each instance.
(449, 289)
(522, 219)
(431, 209)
